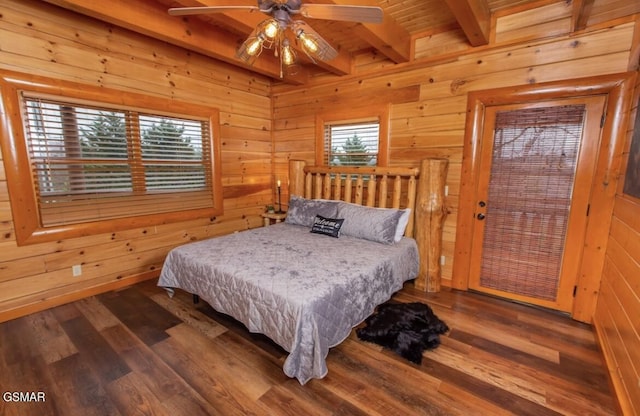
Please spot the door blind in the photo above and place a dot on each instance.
(533, 167)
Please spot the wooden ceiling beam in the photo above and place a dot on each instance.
(580, 14)
(474, 17)
(151, 19)
(389, 37)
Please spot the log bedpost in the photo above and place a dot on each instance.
(296, 177)
(429, 220)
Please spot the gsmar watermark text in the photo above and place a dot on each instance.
(24, 396)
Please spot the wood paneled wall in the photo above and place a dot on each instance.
(428, 100)
(38, 38)
(617, 317)
(264, 126)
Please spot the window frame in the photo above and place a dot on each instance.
(20, 180)
(379, 113)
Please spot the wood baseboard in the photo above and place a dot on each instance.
(41, 304)
(615, 383)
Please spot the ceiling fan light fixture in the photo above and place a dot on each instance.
(270, 28)
(288, 54)
(264, 36)
(309, 44)
(313, 45)
(251, 48)
(271, 33)
(255, 47)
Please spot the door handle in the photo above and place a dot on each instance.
(481, 216)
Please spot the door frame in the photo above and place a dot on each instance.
(618, 89)
(577, 218)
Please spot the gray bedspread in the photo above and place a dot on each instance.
(304, 291)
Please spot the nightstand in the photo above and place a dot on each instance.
(275, 216)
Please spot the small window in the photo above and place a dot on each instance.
(352, 144)
(355, 138)
(96, 165)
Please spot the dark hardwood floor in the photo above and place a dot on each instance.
(137, 352)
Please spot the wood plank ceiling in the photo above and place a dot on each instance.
(219, 34)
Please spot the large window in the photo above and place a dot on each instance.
(353, 138)
(87, 160)
(95, 165)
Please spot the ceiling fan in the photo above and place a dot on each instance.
(271, 33)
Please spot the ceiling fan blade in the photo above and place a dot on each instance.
(364, 14)
(182, 11)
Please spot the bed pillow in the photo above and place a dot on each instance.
(303, 211)
(327, 226)
(402, 224)
(374, 224)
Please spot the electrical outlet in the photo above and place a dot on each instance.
(446, 190)
(76, 270)
(442, 260)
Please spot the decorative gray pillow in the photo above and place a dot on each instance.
(374, 224)
(303, 211)
(327, 226)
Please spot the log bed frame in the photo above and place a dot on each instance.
(421, 189)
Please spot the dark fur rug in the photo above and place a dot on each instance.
(405, 328)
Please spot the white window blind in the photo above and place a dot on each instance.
(352, 144)
(95, 163)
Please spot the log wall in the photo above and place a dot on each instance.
(264, 126)
(41, 39)
(617, 316)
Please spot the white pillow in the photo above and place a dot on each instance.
(402, 224)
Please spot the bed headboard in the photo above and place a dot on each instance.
(421, 189)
